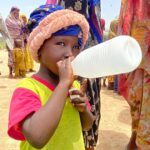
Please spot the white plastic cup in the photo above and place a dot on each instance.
(121, 54)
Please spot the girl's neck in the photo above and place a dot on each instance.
(47, 75)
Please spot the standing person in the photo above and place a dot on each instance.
(113, 80)
(5, 35)
(135, 21)
(105, 37)
(41, 102)
(14, 25)
(91, 10)
(28, 59)
(18, 57)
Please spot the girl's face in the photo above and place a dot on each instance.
(58, 48)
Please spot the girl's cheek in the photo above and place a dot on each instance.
(72, 58)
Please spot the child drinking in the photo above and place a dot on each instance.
(41, 113)
(19, 61)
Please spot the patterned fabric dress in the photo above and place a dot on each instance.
(76, 5)
(93, 85)
(93, 93)
(14, 28)
(135, 86)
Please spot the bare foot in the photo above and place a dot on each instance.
(131, 147)
(10, 76)
(132, 144)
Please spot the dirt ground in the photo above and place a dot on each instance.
(114, 129)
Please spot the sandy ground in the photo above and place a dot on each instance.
(114, 130)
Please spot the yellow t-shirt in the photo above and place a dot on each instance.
(68, 135)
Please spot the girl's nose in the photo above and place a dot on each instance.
(68, 53)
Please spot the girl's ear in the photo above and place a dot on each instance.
(39, 54)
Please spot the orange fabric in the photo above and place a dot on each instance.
(134, 20)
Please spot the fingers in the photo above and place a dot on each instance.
(67, 61)
(79, 103)
(77, 100)
(59, 63)
(64, 63)
(76, 96)
(74, 91)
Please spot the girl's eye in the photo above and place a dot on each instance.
(77, 47)
(60, 43)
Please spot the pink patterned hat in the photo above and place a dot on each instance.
(52, 23)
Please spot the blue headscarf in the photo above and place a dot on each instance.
(94, 2)
(40, 13)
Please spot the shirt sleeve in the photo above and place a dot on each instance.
(23, 103)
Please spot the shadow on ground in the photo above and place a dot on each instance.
(3, 86)
(111, 140)
(112, 94)
(4, 76)
(124, 116)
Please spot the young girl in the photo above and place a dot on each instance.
(19, 61)
(41, 112)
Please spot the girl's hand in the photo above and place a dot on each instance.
(77, 99)
(65, 71)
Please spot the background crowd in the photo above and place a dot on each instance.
(19, 58)
(133, 20)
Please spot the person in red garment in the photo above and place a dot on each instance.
(134, 20)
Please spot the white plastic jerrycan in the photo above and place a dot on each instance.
(121, 54)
